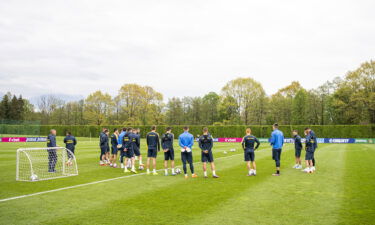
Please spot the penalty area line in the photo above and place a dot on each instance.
(90, 183)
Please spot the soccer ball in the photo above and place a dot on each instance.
(178, 171)
(233, 150)
(33, 177)
(141, 168)
(225, 152)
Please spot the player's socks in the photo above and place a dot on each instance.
(186, 176)
(214, 172)
(133, 169)
(254, 172)
(166, 172)
(173, 171)
(205, 174)
(122, 166)
(126, 170)
(148, 171)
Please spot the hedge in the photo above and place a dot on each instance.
(326, 131)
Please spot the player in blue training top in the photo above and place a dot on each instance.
(206, 143)
(277, 142)
(52, 155)
(297, 149)
(153, 145)
(120, 146)
(167, 146)
(186, 142)
(114, 147)
(248, 145)
(70, 143)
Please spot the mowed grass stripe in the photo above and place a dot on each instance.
(287, 199)
(358, 204)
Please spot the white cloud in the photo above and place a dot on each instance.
(179, 48)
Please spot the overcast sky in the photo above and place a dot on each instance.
(181, 48)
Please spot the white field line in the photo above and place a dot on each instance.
(90, 183)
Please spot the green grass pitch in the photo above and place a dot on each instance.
(340, 192)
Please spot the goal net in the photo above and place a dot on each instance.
(35, 164)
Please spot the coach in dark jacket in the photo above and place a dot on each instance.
(52, 156)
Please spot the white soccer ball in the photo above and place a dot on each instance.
(141, 168)
(34, 177)
(225, 152)
(178, 170)
(233, 150)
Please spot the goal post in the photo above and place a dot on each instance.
(36, 164)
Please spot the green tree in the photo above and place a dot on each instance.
(210, 108)
(5, 107)
(248, 95)
(174, 113)
(299, 107)
(98, 106)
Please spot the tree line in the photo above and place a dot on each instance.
(242, 101)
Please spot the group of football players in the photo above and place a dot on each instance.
(127, 144)
(250, 143)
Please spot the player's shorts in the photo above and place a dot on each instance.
(169, 155)
(152, 153)
(309, 154)
(297, 152)
(207, 157)
(114, 150)
(137, 152)
(276, 154)
(103, 149)
(249, 155)
(129, 153)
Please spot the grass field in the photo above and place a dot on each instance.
(340, 192)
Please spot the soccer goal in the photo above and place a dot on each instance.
(35, 164)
